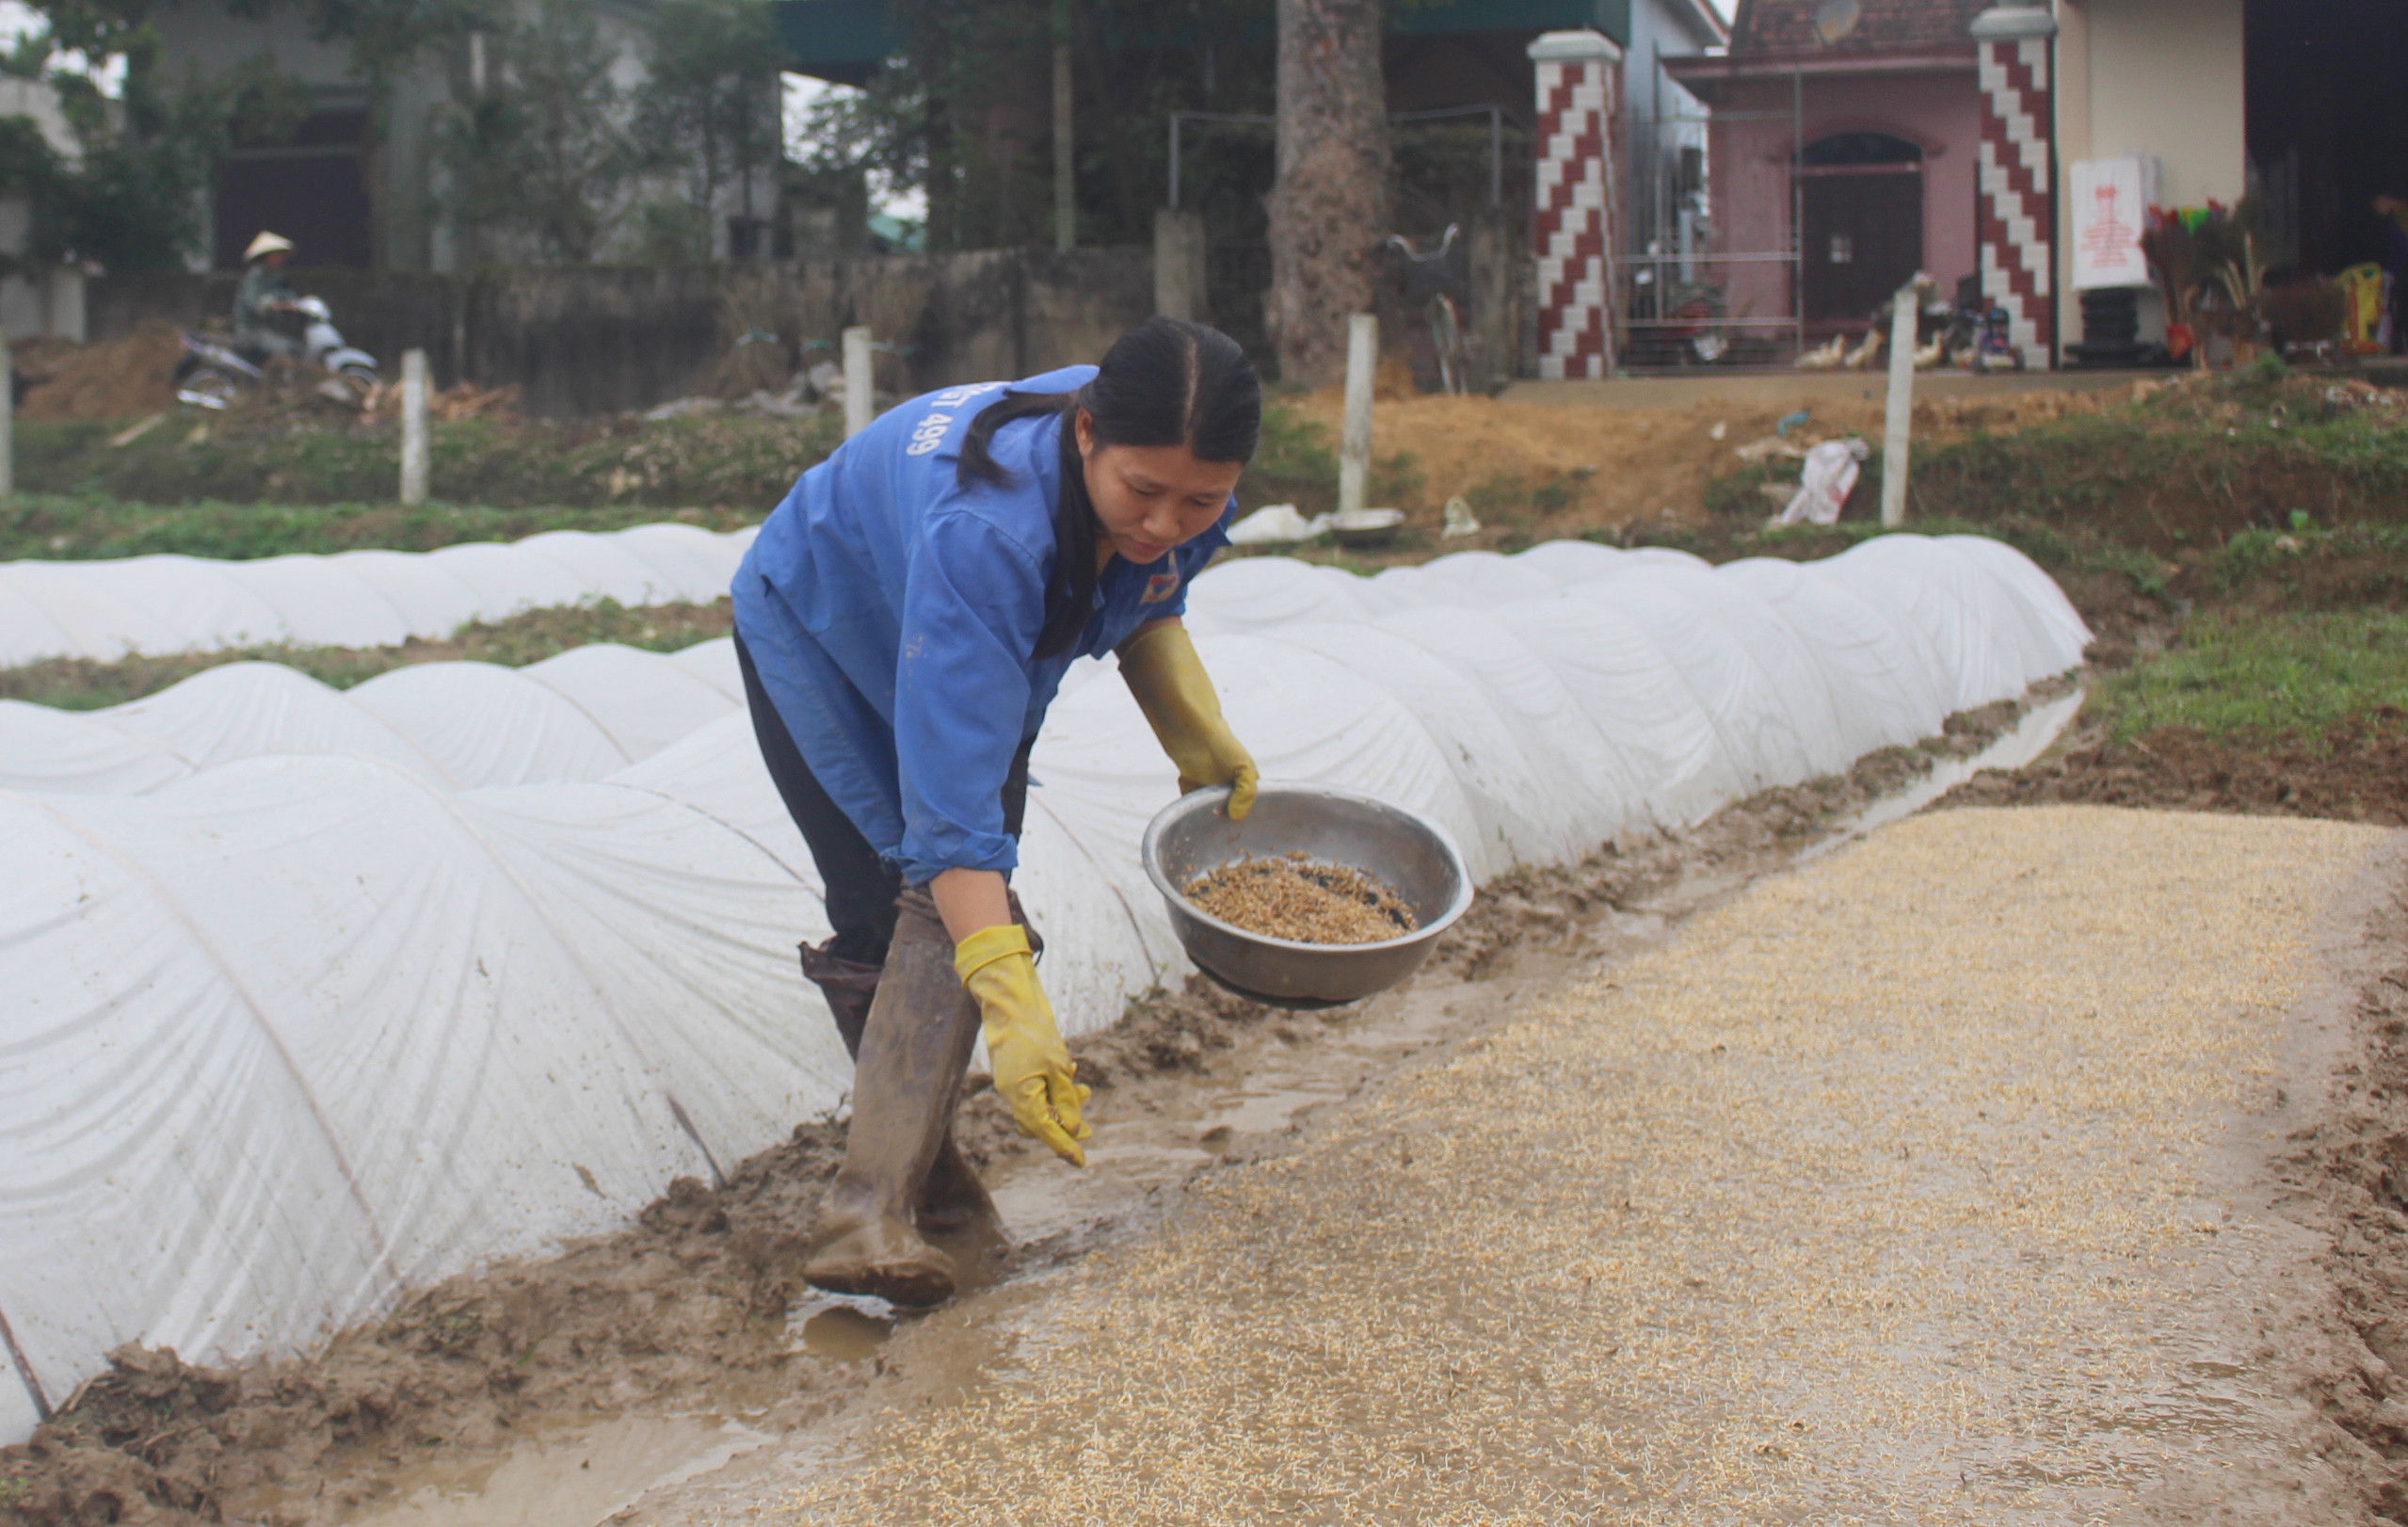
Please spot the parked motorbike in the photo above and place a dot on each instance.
(211, 372)
(1431, 276)
(1978, 334)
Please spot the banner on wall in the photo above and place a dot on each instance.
(2110, 208)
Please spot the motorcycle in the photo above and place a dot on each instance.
(213, 372)
(1429, 273)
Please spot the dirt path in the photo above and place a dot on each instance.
(1937, 1181)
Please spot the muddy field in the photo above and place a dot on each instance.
(699, 1306)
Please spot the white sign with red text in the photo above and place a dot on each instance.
(2111, 207)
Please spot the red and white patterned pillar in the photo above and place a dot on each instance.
(1579, 78)
(2017, 215)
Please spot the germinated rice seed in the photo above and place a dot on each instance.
(1300, 898)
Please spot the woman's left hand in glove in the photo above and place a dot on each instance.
(1033, 1068)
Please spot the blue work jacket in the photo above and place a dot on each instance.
(892, 612)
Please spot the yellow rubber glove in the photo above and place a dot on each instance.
(1032, 1069)
(1176, 694)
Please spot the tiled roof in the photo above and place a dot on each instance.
(1791, 26)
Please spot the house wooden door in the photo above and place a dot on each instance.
(1864, 239)
(1864, 222)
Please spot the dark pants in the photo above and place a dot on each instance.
(861, 887)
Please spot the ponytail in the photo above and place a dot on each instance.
(1164, 382)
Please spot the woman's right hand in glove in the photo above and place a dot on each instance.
(1033, 1068)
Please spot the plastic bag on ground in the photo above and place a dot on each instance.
(1830, 476)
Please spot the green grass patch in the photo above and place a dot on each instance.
(732, 461)
(2169, 482)
(2189, 468)
(1296, 462)
(84, 527)
(2259, 676)
(2306, 562)
(75, 683)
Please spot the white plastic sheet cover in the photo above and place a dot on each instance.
(289, 1034)
(168, 604)
(580, 715)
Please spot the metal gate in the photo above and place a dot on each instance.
(1711, 271)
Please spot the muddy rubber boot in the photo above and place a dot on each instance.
(847, 984)
(914, 1045)
(954, 1204)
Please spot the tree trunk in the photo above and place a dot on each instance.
(1329, 205)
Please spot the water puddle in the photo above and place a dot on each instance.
(842, 1328)
(573, 1478)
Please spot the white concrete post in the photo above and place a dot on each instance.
(1900, 420)
(7, 419)
(859, 408)
(413, 427)
(63, 302)
(1354, 450)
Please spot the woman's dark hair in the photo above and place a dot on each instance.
(1164, 382)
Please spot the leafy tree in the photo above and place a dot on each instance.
(135, 197)
(960, 112)
(544, 153)
(387, 38)
(707, 112)
(879, 132)
(149, 183)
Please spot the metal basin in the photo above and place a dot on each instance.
(1194, 836)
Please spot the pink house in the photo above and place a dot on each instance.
(1860, 120)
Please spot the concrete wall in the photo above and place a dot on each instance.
(594, 340)
(1751, 198)
(208, 39)
(2164, 77)
(1662, 118)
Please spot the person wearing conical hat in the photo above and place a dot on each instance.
(262, 295)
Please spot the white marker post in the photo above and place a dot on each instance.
(1900, 420)
(413, 427)
(859, 408)
(1354, 450)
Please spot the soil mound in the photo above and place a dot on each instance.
(2358, 772)
(1626, 464)
(118, 378)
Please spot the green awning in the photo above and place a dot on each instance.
(1612, 17)
(844, 40)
